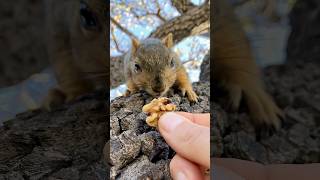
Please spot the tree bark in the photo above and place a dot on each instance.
(138, 151)
(297, 141)
(66, 143)
(182, 6)
(182, 26)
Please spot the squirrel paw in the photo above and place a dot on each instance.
(127, 93)
(192, 96)
(54, 98)
(263, 109)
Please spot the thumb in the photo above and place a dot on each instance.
(188, 139)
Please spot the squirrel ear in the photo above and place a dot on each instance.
(168, 40)
(134, 45)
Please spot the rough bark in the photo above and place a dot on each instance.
(304, 39)
(205, 68)
(296, 90)
(66, 143)
(182, 26)
(137, 150)
(182, 6)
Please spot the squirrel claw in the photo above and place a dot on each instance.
(263, 110)
(192, 96)
(183, 92)
(127, 93)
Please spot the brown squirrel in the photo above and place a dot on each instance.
(151, 66)
(73, 28)
(235, 68)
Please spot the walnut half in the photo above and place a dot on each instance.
(156, 108)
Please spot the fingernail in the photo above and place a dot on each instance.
(180, 176)
(170, 121)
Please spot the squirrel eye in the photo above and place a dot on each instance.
(87, 18)
(137, 68)
(172, 64)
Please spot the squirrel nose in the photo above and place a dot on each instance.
(157, 89)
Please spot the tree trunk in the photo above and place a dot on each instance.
(183, 25)
(232, 134)
(66, 143)
(138, 151)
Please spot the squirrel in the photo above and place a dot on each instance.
(235, 69)
(73, 28)
(152, 66)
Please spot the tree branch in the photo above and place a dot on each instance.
(158, 14)
(131, 35)
(182, 26)
(115, 41)
(182, 6)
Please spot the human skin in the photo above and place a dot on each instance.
(189, 135)
(252, 170)
(193, 149)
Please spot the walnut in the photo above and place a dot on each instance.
(156, 108)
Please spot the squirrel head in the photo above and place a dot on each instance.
(153, 65)
(88, 38)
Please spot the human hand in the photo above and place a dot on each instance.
(189, 135)
(237, 169)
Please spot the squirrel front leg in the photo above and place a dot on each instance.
(185, 85)
(131, 88)
(234, 66)
(70, 83)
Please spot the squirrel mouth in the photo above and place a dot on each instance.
(157, 94)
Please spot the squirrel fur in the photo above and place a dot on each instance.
(151, 66)
(73, 28)
(234, 67)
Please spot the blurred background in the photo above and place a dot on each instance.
(25, 75)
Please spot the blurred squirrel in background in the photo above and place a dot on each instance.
(234, 67)
(77, 48)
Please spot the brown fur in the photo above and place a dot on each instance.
(234, 66)
(156, 74)
(77, 53)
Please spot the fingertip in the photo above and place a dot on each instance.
(182, 169)
(169, 121)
